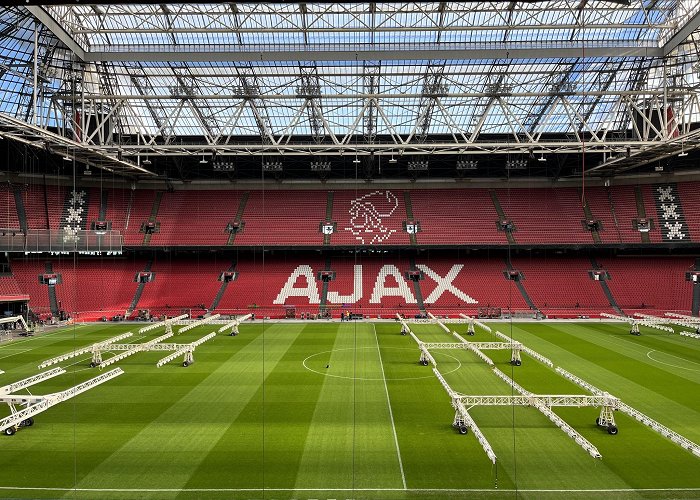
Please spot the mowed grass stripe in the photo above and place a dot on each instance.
(637, 380)
(168, 450)
(517, 431)
(391, 414)
(650, 459)
(434, 456)
(350, 443)
(264, 444)
(69, 440)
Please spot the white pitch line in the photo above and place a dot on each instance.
(391, 414)
(35, 338)
(417, 490)
(325, 374)
(16, 353)
(671, 364)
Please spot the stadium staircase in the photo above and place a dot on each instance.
(53, 302)
(606, 289)
(328, 220)
(153, 217)
(501, 215)
(595, 234)
(521, 287)
(103, 205)
(409, 217)
(696, 292)
(222, 288)
(613, 212)
(324, 286)
(416, 285)
(641, 212)
(139, 290)
(238, 218)
(21, 211)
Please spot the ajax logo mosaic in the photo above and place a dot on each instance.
(369, 214)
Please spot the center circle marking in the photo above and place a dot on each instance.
(459, 364)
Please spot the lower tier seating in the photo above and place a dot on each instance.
(373, 285)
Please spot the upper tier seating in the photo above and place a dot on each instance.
(139, 211)
(625, 206)
(38, 200)
(456, 217)
(545, 215)
(690, 201)
(290, 217)
(283, 218)
(8, 210)
(196, 218)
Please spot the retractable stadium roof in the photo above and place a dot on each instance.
(112, 83)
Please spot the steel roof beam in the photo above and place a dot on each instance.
(682, 34)
(310, 53)
(47, 20)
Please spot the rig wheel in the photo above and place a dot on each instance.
(10, 431)
(612, 430)
(463, 429)
(28, 422)
(185, 364)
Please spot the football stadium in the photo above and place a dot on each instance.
(359, 250)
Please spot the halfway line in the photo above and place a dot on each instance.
(391, 414)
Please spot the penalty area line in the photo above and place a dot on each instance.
(391, 413)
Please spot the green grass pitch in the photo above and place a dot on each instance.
(344, 410)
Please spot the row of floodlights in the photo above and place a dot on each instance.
(414, 165)
(516, 164)
(224, 166)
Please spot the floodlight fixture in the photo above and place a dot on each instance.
(272, 166)
(516, 165)
(415, 166)
(467, 164)
(320, 166)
